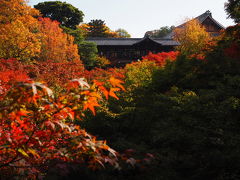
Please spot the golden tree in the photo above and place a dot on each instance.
(56, 45)
(19, 35)
(192, 37)
(13, 9)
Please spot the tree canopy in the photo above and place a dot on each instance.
(56, 45)
(123, 33)
(232, 8)
(159, 33)
(63, 12)
(10, 10)
(192, 37)
(19, 34)
(97, 28)
(88, 53)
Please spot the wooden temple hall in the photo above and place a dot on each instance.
(125, 50)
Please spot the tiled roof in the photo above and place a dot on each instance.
(207, 14)
(167, 42)
(129, 41)
(114, 41)
(201, 19)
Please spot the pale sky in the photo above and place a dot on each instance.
(139, 16)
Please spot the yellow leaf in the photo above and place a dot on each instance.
(33, 152)
(23, 152)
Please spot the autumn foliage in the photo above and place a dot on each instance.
(37, 126)
(26, 38)
(53, 74)
(19, 35)
(14, 9)
(192, 37)
(230, 41)
(182, 106)
(161, 58)
(11, 70)
(56, 45)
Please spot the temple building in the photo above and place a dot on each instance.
(121, 51)
(211, 25)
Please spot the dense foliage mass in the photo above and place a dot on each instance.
(26, 38)
(66, 14)
(186, 111)
(233, 10)
(161, 58)
(160, 33)
(122, 33)
(98, 28)
(56, 45)
(192, 37)
(19, 35)
(38, 125)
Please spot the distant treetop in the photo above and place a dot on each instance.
(68, 15)
(98, 28)
(122, 33)
(160, 33)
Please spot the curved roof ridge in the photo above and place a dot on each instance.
(147, 38)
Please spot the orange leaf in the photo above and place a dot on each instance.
(112, 92)
(98, 83)
(116, 83)
(22, 113)
(104, 91)
(90, 105)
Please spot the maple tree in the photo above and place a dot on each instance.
(10, 70)
(26, 38)
(14, 9)
(19, 35)
(53, 74)
(102, 62)
(56, 45)
(192, 37)
(139, 74)
(161, 58)
(37, 126)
